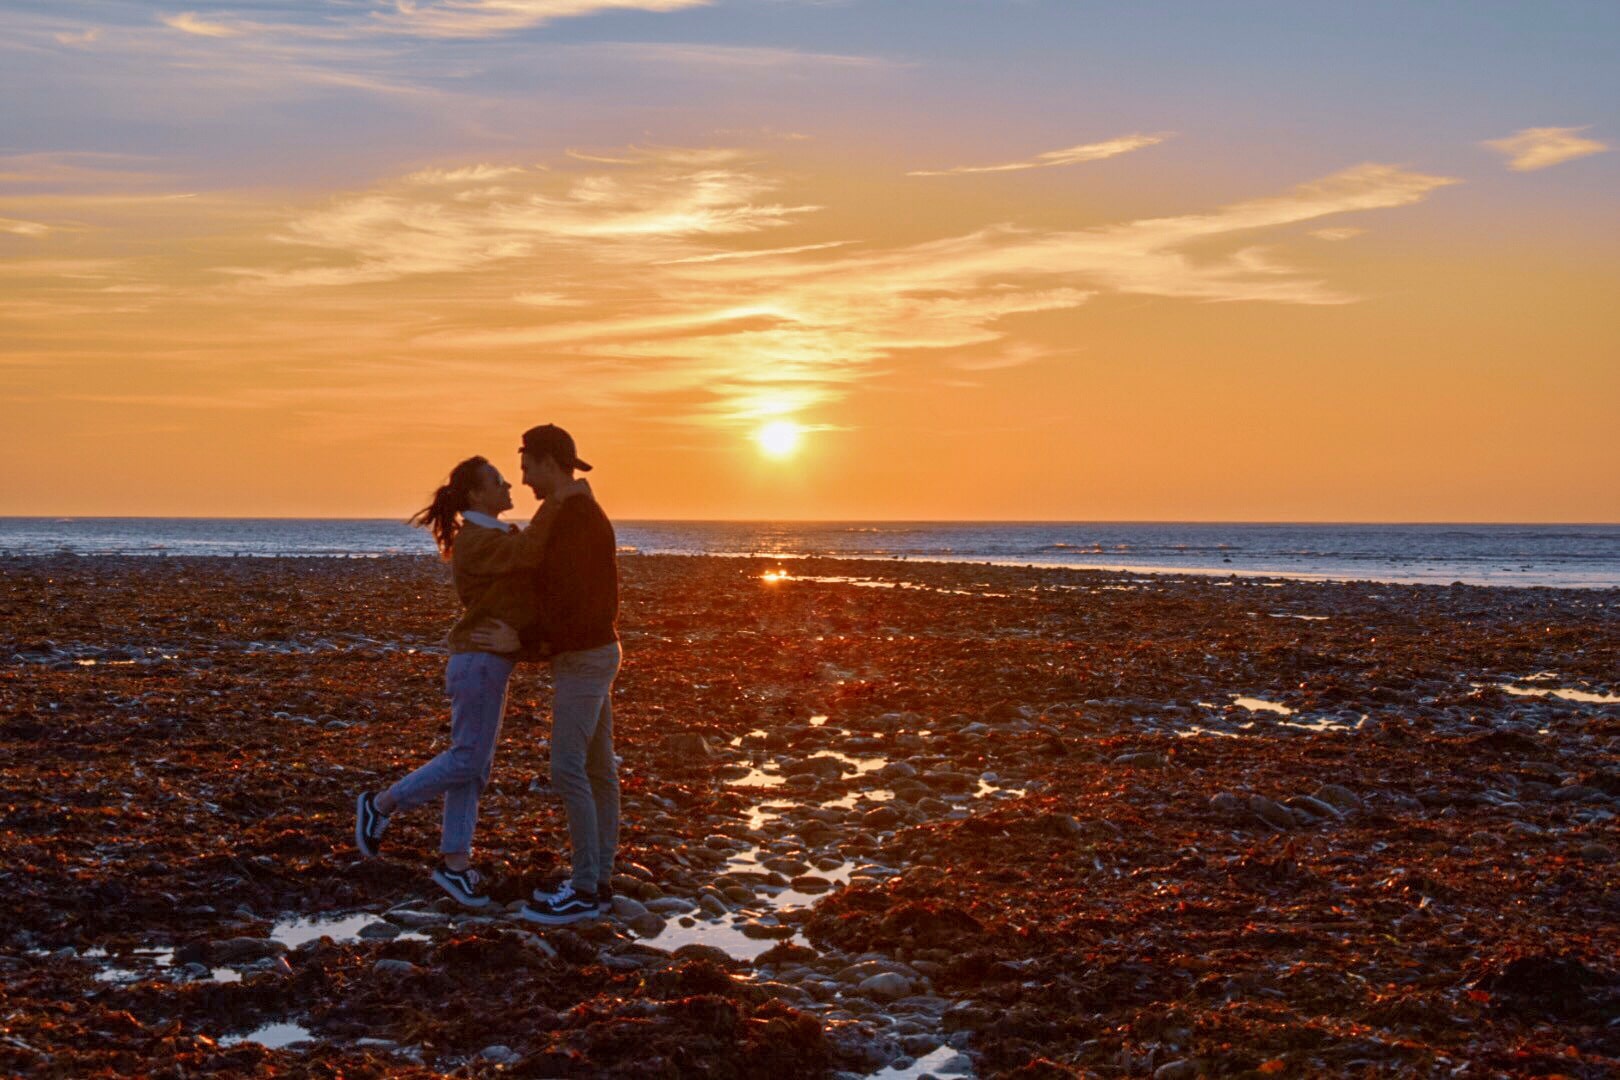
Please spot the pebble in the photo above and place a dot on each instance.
(1182, 1069)
(1339, 797)
(500, 1054)
(1271, 812)
(626, 908)
(884, 817)
(380, 931)
(1595, 853)
(394, 967)
(885, 986)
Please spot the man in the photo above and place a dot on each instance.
(577, 589)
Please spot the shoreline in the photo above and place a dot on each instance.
(880, 815)
(1156, 571)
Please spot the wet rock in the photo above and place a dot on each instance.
(571, 947)
(884, 817)
(379, 931)
(416, 920)
(1182, 1069)
(1142, 759)
(1226, 803)
(766, 931)
(1271, 812)
(811, 883)
(646, 924)
(897, 770)
(500, 1054)
(694, 951)
(1315, 807)
(688, 744)
(626, 908)
(670, 905)
(1339, 797)
(1594, 852)
(240, 949)
(394, 967)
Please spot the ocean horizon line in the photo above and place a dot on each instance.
(851, 521)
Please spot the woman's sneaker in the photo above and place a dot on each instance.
(466, 887)
(560, 908)
(369, 824)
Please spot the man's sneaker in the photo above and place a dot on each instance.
(369, 824)
(604, 899)
(560, 908)
(466, 887)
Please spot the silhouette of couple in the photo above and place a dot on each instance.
(545, 592)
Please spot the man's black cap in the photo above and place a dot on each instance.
(549, 440)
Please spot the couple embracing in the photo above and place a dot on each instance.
(549, 592)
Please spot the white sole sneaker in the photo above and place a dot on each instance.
(365, 814)
(454, 884)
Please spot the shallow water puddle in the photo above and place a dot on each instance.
(727, 936)
(849, 802)
(758, 777)
(862, 764)
(1254, 704)
(759, 815)
(272, 1036)
(1566, 693)
(302, 929)
(945, 1061)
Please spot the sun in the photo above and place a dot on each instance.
(779, 438)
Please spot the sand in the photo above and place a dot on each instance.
(881, 818)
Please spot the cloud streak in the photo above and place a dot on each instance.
(1073, 155)
(486, 18)
(682, 285)
(1541, 148)
(188, 22)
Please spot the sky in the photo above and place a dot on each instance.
(815, 259)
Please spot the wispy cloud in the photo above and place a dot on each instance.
(485, 18)
(23, 228)
(443, 221)
(87, 36)
(1340, 232)
(1073, 155)
(648, 281)
(188, 22)
(746, 58)
(1540, 148)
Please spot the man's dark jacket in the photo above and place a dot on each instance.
(578, 584)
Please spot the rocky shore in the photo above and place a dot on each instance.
(882, 819)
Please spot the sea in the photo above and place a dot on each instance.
(1559, 556)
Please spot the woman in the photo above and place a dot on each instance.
(491, 563)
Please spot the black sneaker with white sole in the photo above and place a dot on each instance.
(369, 823)
(560, 908)
(604, 899)
(466, 887)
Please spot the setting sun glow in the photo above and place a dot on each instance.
(779, 438)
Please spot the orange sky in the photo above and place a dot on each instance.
(980, 320)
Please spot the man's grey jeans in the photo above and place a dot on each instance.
(476, 683)
(583, 770)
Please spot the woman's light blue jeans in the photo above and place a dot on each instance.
(476, 683)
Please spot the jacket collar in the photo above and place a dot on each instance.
(478, 517)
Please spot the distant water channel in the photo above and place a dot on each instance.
(1567, 556)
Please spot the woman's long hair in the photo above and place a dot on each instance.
(441, 516)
